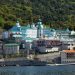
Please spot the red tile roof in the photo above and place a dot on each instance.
(69, 51)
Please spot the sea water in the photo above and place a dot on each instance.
(38, 70)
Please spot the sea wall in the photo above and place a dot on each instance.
(22, 63)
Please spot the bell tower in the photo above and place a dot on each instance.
(18, 25)
(39, 29)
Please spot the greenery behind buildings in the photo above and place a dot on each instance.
(57, 14)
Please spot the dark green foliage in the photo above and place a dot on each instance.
(54, 13)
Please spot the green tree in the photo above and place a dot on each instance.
(1, 22)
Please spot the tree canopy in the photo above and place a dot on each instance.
(58, 14)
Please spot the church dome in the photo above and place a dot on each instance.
(72, 32)
(18, 24)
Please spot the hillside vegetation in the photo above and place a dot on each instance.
(57, 14)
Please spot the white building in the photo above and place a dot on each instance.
(11, 48)
(5, 35)
(46, 45)
(36, 31)
(67, 56)
(32, 32)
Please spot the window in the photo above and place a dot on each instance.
(70, 55)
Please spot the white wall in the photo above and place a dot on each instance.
(32, 33)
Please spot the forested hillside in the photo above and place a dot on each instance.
(54, 13)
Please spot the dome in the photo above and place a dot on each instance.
(33, 25)
(18, 24)
(67, 30)
(39, 24)
(72, 32)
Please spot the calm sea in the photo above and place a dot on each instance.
(38, 70)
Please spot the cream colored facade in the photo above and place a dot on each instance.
(11, 48)
(67, 56)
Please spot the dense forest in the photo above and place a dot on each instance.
(57, 14)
